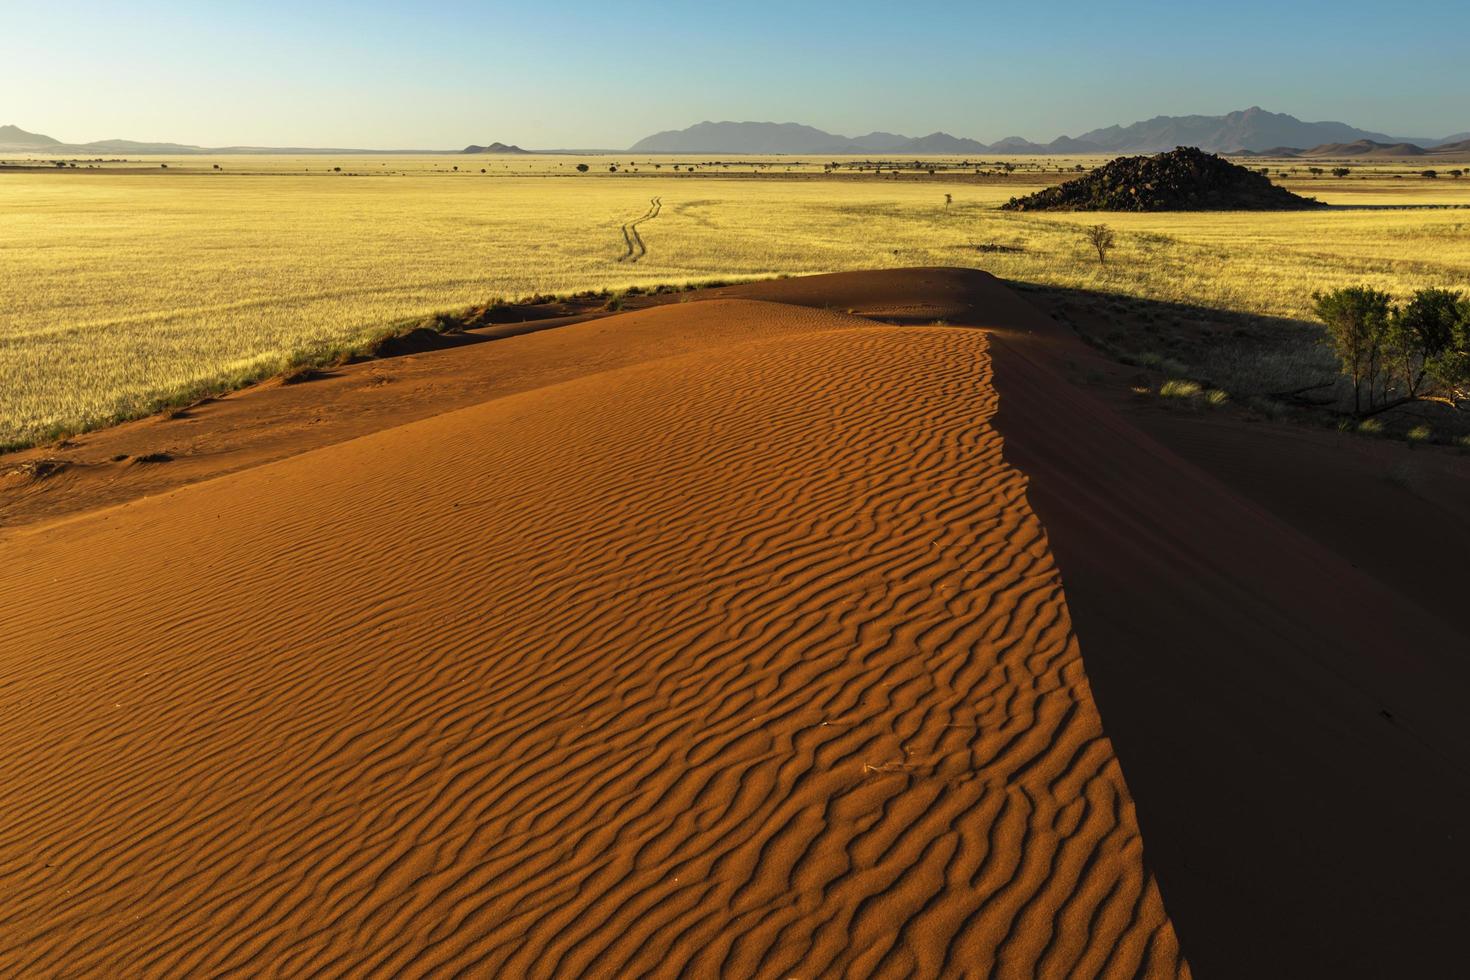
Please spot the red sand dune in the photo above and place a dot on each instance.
(749, 660)
(714, 639)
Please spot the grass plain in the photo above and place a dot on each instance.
(123, 291)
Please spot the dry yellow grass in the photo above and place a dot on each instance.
(122, 290)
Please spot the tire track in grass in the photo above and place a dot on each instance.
(634, 241)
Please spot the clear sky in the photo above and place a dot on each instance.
(598, 73)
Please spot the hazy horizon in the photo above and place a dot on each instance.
(375, 76)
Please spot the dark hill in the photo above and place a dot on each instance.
(494, 148)
(1365, 148)
(1185, 179)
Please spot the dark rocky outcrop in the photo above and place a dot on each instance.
(1184, 179)
(494, 148)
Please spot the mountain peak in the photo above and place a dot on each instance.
(11, 135)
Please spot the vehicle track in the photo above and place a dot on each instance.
(634, 241)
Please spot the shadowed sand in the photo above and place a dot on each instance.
(738, 652)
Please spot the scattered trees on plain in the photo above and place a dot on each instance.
(1340, 171)
(1395, 354)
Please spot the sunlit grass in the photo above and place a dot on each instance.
(118, 291)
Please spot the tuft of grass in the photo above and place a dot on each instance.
(1370, 427)
(1420, 433)
(1216, 398)
(1178, 388)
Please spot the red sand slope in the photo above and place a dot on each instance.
(745, 655)
(724, 636)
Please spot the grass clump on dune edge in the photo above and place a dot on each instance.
(1180, 389)
(308, 359)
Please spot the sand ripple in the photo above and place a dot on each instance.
(751, 663)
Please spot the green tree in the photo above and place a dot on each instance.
(1357, 319)
(1449, 369)
(1418, 333)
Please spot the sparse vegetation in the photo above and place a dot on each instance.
(115, 301)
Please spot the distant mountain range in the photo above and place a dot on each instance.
(1370, 148)
(1249, 130)
(13, 139)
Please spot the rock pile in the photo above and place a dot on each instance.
(1184, 179)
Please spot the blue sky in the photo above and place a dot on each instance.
(603, 74)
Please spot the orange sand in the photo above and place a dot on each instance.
(726, 638)
(742, 657)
